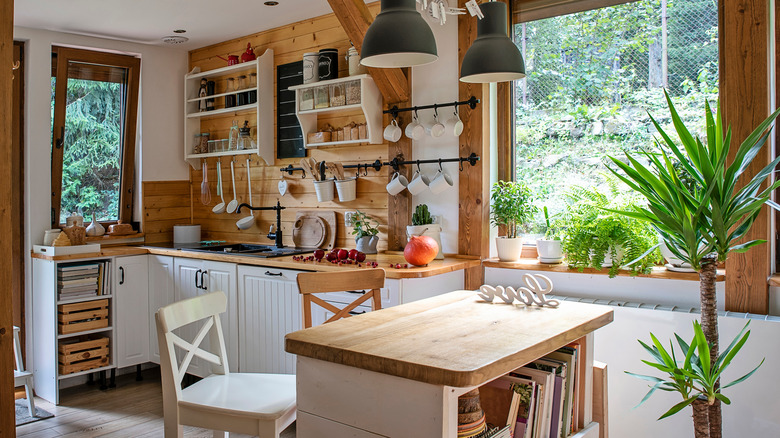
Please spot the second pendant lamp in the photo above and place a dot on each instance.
(398, 37)
(493, 57)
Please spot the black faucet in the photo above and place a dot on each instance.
(276, 236)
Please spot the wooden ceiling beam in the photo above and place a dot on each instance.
(355, 18)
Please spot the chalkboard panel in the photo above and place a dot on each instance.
(289, 137)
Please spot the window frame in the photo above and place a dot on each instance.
(65, 55)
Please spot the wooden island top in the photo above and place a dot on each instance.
(454, 339)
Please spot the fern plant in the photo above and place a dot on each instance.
(594, 230)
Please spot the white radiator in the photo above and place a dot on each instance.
(755, 408)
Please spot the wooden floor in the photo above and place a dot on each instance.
(132, 409)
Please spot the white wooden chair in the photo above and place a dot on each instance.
(253, 404)
(22, 377)
(310, 283)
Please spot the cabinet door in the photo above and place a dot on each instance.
(187, 277)
(131, 286)
(161, 294)
(269, 307)
(222, 277)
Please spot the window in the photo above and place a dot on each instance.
(94, 104)
(592, 77)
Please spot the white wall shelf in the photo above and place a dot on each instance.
(370, 105)
(263, 66)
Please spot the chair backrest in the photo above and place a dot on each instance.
(19, 364)
(205, 308)
(369, 280)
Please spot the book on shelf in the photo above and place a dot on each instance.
(545, 381)
(558, 368)
(83, 280)
(500, 402)
(569, 356)
(523, 421)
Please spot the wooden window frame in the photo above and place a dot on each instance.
(743, 35)
(64, 55)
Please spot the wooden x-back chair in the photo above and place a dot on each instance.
(369, 280)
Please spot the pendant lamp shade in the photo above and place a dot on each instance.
(493, 57)
(398, 37)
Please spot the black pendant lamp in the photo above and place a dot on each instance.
(493, 57)
(398, 37)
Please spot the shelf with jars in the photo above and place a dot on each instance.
(236, 90)
(351, 94)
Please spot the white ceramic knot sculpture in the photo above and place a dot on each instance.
(529, 294)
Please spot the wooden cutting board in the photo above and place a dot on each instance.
(309, 232)
(329, 218)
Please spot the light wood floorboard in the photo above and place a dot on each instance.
(132, 409)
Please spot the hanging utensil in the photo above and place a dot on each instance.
(315, 168)
(205, 193)
(339, 171)
(246, 223)
(219, 208)
(233, 205)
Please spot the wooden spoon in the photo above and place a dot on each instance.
(339, 171)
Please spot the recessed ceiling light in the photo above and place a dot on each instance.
(271, 3)
(180, 31)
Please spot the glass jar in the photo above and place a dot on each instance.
(321, 97)
(307, 99)
(244, 137)
(337, 97)
(230, 99)
(252, 87)
(353, 92)
(225, 145)
(233, 136)
(212, 146)
(243, 96)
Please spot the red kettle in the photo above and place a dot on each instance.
(231, 59)
(249, 55)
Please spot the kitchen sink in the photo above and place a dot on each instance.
(251, 249)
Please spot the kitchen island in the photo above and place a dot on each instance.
(398, 372)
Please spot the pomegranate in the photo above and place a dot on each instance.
(319, 254)
(352, 253)
(360, 257)
(343, 254)
(331, 257)
(420, 250)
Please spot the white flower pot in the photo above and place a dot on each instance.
(549, 251)
(509, 249)
(431, 230)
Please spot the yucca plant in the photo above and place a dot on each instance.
(695, 204)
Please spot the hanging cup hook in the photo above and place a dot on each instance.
(461, 165)
(440, 168)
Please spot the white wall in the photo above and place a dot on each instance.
(160, 122)
(438, 83)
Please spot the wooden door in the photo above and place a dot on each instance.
(161, 293)
(269, 308)
(131, 277)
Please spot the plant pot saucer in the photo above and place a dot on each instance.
(551, 260)
(671, 267)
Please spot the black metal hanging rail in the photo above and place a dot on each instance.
(395, 163)
(472, 103)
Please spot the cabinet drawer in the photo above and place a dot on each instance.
(274, 273)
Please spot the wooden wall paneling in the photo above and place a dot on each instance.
(474, 205)
(17, 132)
(165, 204)
(399, 207)
(289, 44)
(8, 216)
(744, 86)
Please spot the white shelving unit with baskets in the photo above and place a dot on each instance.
(73, 321)
(263, 108)
(360, 93)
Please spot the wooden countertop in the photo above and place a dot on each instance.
(453, 339)
(535, 265)
(436, 267)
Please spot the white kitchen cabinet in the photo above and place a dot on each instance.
(161, 293)
(269, 308)
(193, 278)
(131, 286)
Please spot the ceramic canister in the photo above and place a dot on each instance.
(311, 63)
(329, 64)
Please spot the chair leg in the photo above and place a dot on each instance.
(30, 398)
(220, 434)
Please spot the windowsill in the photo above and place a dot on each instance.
(108, 239)
(774, 280)
(657, 272)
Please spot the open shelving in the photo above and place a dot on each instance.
(370, 106)
(263, 108)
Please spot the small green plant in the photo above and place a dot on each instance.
(696, 377)
(553, 231)
(362, 225)
(421, 215)
(512, 207)
(594, 230)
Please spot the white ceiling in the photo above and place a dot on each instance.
(147, 21)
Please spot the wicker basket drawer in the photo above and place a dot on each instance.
(79, 317)
(83, 353)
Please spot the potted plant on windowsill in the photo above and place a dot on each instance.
(549, 247)
(512, 208)
(366, 233)
(701, 225)
(422, 225)
(599, 237)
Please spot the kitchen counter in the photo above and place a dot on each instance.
(436, 267)
(360, 376)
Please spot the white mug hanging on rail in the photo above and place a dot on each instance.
(529, 294)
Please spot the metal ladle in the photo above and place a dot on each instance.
(233, 205)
